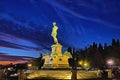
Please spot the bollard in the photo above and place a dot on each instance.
(21, 74)
(110, 74)
(74, 75)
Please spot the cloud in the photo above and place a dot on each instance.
(95, 13)
(16, 46)
(6, 57)
(8, 40)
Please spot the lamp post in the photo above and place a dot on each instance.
(73, 63)
(110, 63)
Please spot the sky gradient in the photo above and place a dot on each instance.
(26, 25)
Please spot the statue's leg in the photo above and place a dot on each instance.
(56, 41)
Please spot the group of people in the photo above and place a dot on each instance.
(116, 73)
(104, 75)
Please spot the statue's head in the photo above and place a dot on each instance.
(54, 23)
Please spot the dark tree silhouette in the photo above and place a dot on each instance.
(97, 55)
(113, 42)
(38, 61)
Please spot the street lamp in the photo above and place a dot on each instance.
(80, 62)
(29, 65)
(110, 62)
(84, 63)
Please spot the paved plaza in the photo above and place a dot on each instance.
(63, 74)
(59, 74)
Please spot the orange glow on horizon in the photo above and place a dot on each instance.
(8, 62)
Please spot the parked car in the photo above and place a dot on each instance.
(9, 71)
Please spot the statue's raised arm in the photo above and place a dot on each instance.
(54, 33)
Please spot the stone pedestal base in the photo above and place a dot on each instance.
(59, 66)
(56, 59)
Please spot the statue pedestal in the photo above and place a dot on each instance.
(56, 59)
(56, 50)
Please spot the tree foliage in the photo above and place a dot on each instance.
(38, 61)
(97, 54)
